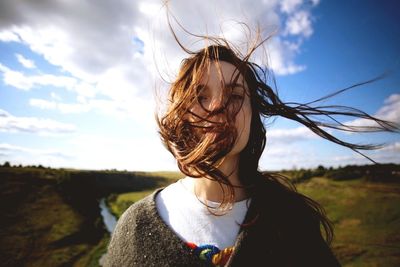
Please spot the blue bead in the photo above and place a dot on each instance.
(206, 252)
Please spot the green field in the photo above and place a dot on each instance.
(40, 226)
(51, 217)
(366, 217)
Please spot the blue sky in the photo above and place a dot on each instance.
(77, 80)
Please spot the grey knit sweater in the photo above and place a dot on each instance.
(274, 237)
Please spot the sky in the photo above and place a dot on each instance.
(80, 80)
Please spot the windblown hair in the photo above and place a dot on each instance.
(199, 154)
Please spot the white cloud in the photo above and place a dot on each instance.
(74, 42)
(349, 159)
(394, 147)
(279, 152)
(380, 156)
(98, 50)
(33, 156)
(140, 110)
(118, 94)
(290, 135)
(19, 80)
(27, 63)
(282, 56)
(149, 8)
(107, 62)
(387, 154)
(289, 156)
(284, 149)
(10, 123)
(288, 6)
(8, 148)
(8, 36)
(390, 111)
(299, 24)
(4, 68)
(42, 104)
(55, 96)
(133, 153)
(315, 2)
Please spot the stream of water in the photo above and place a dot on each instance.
(109, 220)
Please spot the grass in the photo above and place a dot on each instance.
(51, 217)
(170, 175)
(91, 259)
(123, 201)
(38, 223)
(366, 218)
(40, 228)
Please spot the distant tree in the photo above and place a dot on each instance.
(6, 164)
(321, 168)
(319, 171)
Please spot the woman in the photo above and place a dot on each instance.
(225, 212)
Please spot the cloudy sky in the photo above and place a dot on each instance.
(78, 78)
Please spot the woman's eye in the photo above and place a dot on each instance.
(202, 99)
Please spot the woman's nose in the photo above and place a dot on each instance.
(216, 111)
(216, 105)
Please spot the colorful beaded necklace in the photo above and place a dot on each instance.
(211, 254)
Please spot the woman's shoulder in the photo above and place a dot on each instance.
(281, 193)
(292, 220)
(139, 210)
(129, 230)
(284, 207)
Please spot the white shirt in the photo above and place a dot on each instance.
(192, 222)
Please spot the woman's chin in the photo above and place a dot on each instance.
(233, 153)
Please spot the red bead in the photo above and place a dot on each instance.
(191, 245)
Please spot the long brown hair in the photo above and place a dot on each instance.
(199, 155)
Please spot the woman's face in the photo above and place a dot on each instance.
(217, 89)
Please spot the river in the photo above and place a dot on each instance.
(109, 221)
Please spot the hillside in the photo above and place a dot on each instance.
(366, 216)
(52, 217)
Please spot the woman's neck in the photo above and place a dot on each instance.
(209, 189)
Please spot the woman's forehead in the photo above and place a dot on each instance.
(221, 72)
